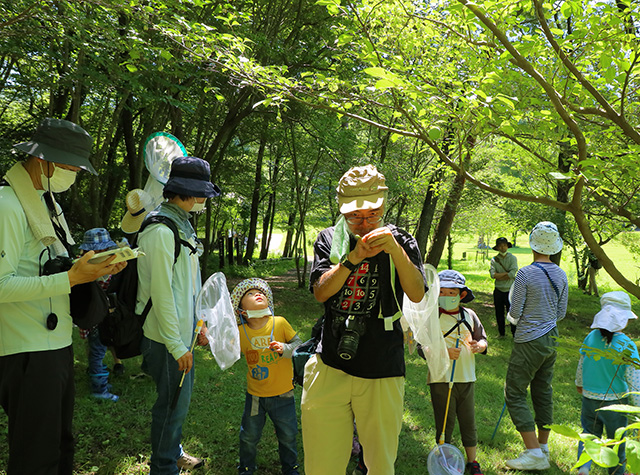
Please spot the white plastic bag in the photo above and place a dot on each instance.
(214, 307)
(424, 319)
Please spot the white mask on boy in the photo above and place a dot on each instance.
(263, 312)
(449, 302)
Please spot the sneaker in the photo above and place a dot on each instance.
(189, 462)
(529, 461)
(118, 369)
(106, 396)
(473, 468)
(545, 451)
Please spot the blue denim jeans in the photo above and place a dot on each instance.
(282, 412)
(593, 422)
(166, 424)
(98, 371)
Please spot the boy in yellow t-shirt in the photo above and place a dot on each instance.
(266, 342)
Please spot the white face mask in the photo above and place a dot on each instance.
(449, 302)
(503, 253)
(61, 179)
(263, 312)
(197, 207)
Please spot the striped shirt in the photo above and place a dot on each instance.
(534, 302)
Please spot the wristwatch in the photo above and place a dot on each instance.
(347, 263)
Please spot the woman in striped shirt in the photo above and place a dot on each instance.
(538, 300)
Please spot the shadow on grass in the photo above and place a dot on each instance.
(113, 438)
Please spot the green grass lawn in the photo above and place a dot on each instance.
(113, 438)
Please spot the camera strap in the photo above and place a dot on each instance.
(388, 321)
(61, 233)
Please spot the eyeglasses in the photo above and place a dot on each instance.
(356, 220)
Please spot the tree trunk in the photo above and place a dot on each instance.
(221, 252)
(288, 250)
(428, 209)
(449, 252)
(562, 192)
(267, 226)
(230, 250)
(448, 214)
(255, 199)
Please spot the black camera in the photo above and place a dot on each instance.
(57, 265)
(354, 327)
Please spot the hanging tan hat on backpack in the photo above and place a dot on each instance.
(139, 204)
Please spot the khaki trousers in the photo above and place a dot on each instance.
(331, 400)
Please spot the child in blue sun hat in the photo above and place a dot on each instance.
(267, 342)
(98, 240)
(465, 337)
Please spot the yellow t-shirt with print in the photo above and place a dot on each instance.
(269, 374)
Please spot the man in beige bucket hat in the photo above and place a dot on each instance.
(358, 371)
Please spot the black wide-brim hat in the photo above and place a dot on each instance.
(502, 240)
(190, 177)
(60, 141)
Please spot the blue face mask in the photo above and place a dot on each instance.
(449, 302)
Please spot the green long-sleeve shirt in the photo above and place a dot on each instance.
(172, 288)
(508, 264)
(26, 298)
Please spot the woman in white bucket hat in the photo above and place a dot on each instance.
(538, 300)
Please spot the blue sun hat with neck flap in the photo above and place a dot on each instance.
(452, 279)
(97, 239)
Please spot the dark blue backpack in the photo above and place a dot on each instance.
(122, 327)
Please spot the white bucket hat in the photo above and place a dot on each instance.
(615, 313)
(545, 238)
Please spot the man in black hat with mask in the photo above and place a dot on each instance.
(504, 267)
(36, 357)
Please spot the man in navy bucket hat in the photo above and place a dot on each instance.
(169, 326)
(37, 390)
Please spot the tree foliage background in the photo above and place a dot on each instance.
(502, 113)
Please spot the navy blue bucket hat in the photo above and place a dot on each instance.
(452, 279)
(190, 177)
(60, 141)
